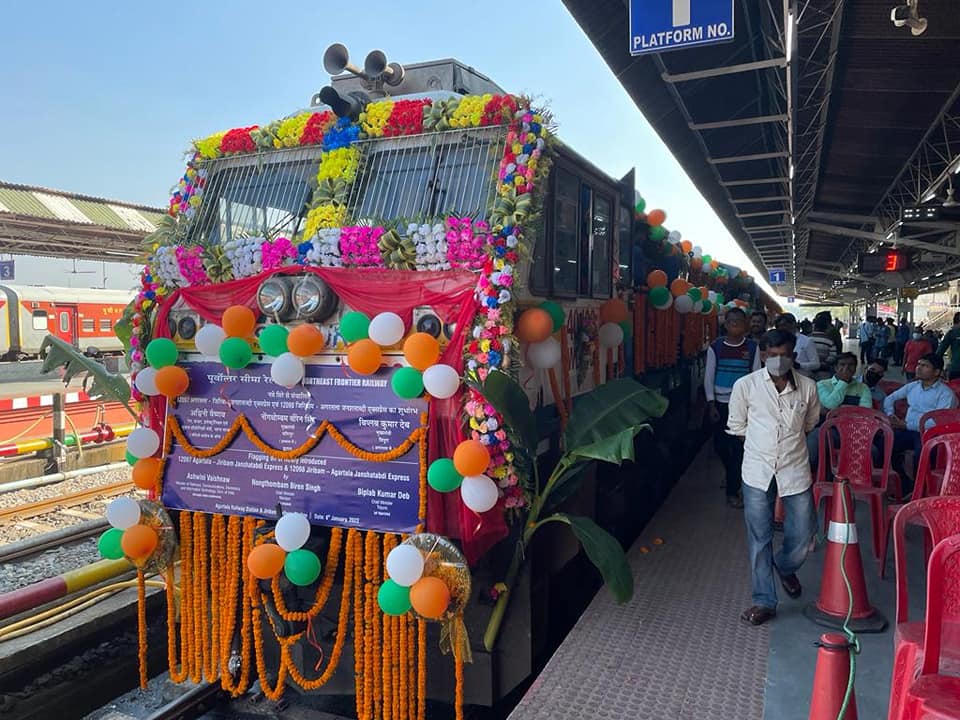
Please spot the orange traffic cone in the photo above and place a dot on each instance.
(831, 678)
(832, 606)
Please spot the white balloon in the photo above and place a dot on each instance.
(545, 354)
(146, 381)
(287, 370)
(143, 442)
(209, 338)
(611, 335)
(123, 513)
(292, 531)
(674, 237)
(697, 251)
(712, 296)
(386, 329)
(479, 493)
(684, 304)
(405, 565)
(698, 306)
(441, 381)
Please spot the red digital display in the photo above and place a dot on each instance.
(884, 262)
(892, 262)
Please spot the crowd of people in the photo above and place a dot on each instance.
(768, 393)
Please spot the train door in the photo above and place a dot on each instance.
(66, 323)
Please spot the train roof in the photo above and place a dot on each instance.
(62, 294)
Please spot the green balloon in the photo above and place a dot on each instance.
(407, 382)
(302, 567)
(162, 352)
(720, 299)
(235, 353)
(393, 599)
(658, 232)
(707, 305)
(707, 259)
(109, 544)
(131, 459)
(443, 476)
(641, 205)
(555, 310)
(659, 296)
(273, 340)
(694, 294)
(354, 326)
(627, 328)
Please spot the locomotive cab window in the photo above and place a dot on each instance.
(39, 319)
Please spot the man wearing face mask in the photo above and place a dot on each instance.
(773, 409)
(872, 377)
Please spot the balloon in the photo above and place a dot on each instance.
(143, 442)
(405, 565)
(707, 306)
(139, 542)
(364, 356)
(471, 457)
(273, 340)
(534, 325)
(697, 252)
(430, 597)
(123, 512)
(162, 352)
(239, 321)
(265, 561)
(292, 531)
(698, 306)
(544, 355)
(707, 259)
(393, 599)
(386, 329)
(659, 297)
(421, 350)
(686, 246)
(656, 217)
(555, 310)
(720, 299)
(130, 458)
(711, 296)
(236, 353)
(109, 544)
(641, 205)
(627, 328)
(614, 311)
(172, 381)
(611, 335)
(441, 381)
(354, 326)
(305, 340)
(443, 476)
(657, 278)
(407, 382)
(302, 567)
(684, 304)
(674, 237)
(658, 233)
(479, 493)
(146, 473)
(209, 338)
(694, 294)
(287, 370)
(145, 381)
(679, 287)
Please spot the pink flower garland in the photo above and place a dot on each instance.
(467, 242)
(358, 246)
(190, 262)
(277, 252)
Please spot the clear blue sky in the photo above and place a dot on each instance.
(103, 98)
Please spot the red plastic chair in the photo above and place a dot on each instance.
(856, 410)
(889, 386)
(939, 417)
(941, 517)
(939, 459)
(855, 462)
(935, 693)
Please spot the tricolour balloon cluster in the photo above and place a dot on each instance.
(302, 567)
(465, 471)
(614, 323)
(127, 536)
(536, 327)
(414, 583)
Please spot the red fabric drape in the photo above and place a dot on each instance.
(372, 291)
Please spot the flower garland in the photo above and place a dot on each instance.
(245, 256)
(359, 246)
(467, 242)
(431, 245)
(375, 117)
(323, 249)
(238, 140)
(165, 264)
(186, 198)
(406, 118)
(276, 253)
(190, 265)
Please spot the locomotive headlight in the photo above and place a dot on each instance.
(187, 327)
(307, 297)
(430, 324)
(273, 297)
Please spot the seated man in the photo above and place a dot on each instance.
(871, 378)
(928, 392)
(841, 389)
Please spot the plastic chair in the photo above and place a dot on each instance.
(935, 693)
(889, 386)
(939, 417)
(851, 410)
(941, 517)
(939, 460)
(857, 410)
(855, 462)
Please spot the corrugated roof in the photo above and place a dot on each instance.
(52, 204)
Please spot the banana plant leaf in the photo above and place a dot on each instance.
(509, 399)
(98, 382)
(605, 553)
(601, 418)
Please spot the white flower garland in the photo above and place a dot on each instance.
(167, 269)
(326, 248)
(245, 255)
(431, 242)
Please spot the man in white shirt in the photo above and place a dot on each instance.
(806, 360)
(773, 409)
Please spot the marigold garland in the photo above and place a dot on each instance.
(323, 590)
(142, 628)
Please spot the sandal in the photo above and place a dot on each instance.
(757, 615)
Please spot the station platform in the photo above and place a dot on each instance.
(678, 651)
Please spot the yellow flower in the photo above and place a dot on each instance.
(485, 346)
(290, 130)
(324, 216)
(375, 118)
(209, 147)
(499, 264)
(341, 164)
(518, 180)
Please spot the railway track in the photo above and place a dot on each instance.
(50, 505)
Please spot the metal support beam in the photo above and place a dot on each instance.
(771, 198)
(757, 181)
(767, 227)
(864, 235)
(758, 120)
(747, 158)
(761, 214)
(728, 70)
(841, 217)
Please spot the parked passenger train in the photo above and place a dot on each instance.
(82, 317)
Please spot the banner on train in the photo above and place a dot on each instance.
(660, 25)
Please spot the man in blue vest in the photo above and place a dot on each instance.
(729, 358)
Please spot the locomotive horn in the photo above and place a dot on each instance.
(375, 66)
(349, 106)
(336, 59)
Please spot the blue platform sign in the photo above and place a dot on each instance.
(778, 276)
(7, 270)
(660, 25)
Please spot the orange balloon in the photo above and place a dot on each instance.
(614, 311)
(238, 321)
(430, 597)
(686, 245)
(679, 287)
(657, 278)
(266, 560)
(364, 357)
(656, 217)
(146, 473)
(714, 264)
(305, 340)
(139, 542)
(535, 325)
(471, 458)
(421, 350)
(172, 381)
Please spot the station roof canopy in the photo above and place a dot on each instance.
(810, 131)
(52, 223)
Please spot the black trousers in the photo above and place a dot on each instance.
(730, 450)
